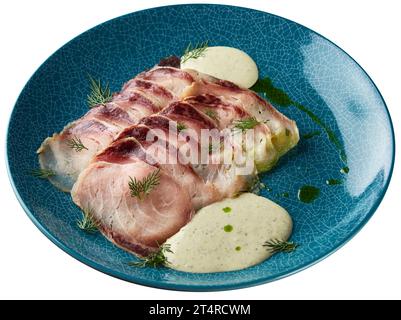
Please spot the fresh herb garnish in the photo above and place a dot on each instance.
(155, 259)
(280, 246)
(215, 145)
(98, 93)
(211, 147)
(211, 114)
(181, 126)
(140, 188)
(88, 223)
(194, 52)
(76, 144)
(42, 173)
(256, 186)
(246, 124)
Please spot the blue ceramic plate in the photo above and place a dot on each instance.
(312, 70)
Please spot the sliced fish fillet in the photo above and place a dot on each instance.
(137, 225)
(142, 96)
(206, 104)
(285, 134)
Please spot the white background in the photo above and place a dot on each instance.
(32, 267)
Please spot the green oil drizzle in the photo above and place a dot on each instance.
(238, 248)
(279, 97)
(273, 94)
(333, 182)
(308, 194)
(310, 135)
(228, 228)
(285, 194)
(344, 170)
(330, 133)
(256, 186)
(227, 209)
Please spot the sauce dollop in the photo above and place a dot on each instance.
(218, 239)
(226, 63)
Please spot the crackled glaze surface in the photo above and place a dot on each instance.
(311, 69)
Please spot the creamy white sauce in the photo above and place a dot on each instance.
(219, 239)
(226, 63)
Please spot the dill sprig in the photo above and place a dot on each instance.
(194, 52)
(181, 126)
(42, 173)
(140, 188)
(98, 94)
(246, 124)
(211, 147)
(155, 259)
(76, 144)
(256, 186)
(211, 114)
(88, 223)
(280, 246)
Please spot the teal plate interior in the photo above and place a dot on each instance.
(311, 69)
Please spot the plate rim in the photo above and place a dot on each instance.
(191, 287)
